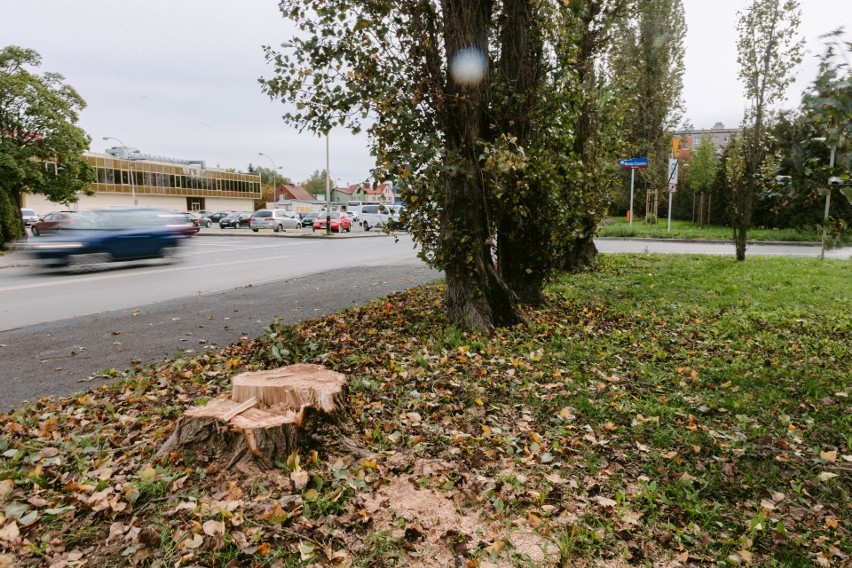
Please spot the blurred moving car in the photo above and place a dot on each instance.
(56, 220)
(29, 216)
(338, 222)
(308, 219)
(235, 220)
(186, 222)
(275, 219)
(114, 235)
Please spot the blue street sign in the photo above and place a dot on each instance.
(634, 163)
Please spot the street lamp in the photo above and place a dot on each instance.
(129, 166)
(274, 174)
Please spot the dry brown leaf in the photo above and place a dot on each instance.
(829, 456)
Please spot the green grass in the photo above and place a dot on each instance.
(688, 230)
(658, 406)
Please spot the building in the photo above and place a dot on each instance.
(687, 140)
(126, 178)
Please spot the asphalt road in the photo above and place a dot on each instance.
(62, 355)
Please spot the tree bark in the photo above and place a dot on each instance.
(475, 295)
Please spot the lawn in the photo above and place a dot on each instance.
(661, 410)
(688, 230)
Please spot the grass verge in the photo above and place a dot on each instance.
(661, 410)
(688, 230)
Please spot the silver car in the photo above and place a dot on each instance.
(275, 219)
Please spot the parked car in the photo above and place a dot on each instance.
(275, 219)
(235, 220)
(217, 216)
(339, 222)
(29, 216)
(308, 219)
(203, 219)
(57, 220)
(117, 234)
(379, 215)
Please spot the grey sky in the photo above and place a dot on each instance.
(178, 78)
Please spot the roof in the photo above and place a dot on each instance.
(297, 192)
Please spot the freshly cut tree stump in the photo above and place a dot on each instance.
(269, 415)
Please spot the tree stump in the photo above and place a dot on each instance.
(269, 415)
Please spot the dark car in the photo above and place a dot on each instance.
(115, 235)
(56, 220)
(217, 216)
(235, 220)
(308, 219)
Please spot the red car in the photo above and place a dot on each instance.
(56, 220)
(339, 222)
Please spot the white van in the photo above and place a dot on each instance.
(379, 215)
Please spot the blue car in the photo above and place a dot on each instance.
(115, 235)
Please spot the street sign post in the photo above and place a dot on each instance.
(672, 189)
(633, 164)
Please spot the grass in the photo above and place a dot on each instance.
(659, 409)
(688, 230)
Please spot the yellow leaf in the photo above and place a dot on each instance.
(683, 557)
(831, 523)
(479, 402)
(486, 430)
(745, 555)
(566, 414)
(371, 464)
(535, 437)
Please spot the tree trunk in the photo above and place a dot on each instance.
(475, 294)
(269, 415)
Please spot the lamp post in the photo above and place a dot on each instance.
(274, 174)
(129, 166)
(328, 190)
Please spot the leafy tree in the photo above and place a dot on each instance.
(41, 147)
(703, 167)
(316, 182)
(648, 67)
(483, 162)
(768, 49)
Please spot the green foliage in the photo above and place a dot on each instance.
(41, 146)
(316, 183)
(703, 166)
(768, 49)
(648, 73)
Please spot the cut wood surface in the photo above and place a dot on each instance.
(292, 387)
(269, 415)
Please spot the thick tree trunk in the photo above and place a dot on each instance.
(580, 255)
(475, 294)
(523, 237)
(269, 415)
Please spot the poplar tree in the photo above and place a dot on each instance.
(768, 49)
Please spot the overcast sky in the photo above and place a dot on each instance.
(178, 78)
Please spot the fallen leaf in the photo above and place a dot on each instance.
(213, 528)
(300, 479)
(194, 542)
(826, 475)
(829, 456)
